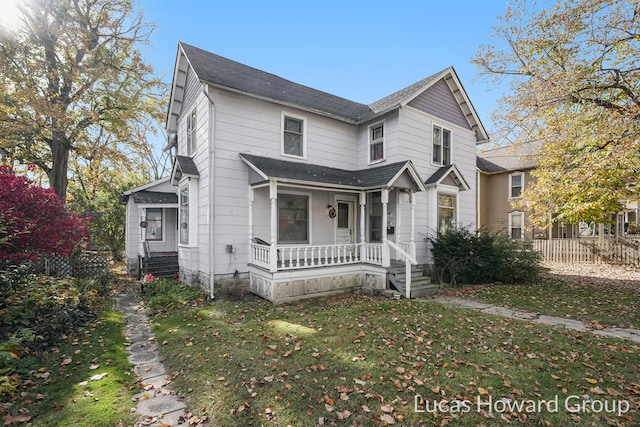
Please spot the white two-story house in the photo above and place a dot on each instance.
(291, 192)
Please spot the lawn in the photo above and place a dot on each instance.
(84, 381)
(366, 361)
(607, 305)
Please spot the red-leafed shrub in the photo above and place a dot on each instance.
(34, 221)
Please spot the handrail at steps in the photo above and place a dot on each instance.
(408, 260)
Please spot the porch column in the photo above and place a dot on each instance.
(273, 253)
(363, 203)
(412, 246)
(386, 259)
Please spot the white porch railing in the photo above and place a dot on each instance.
(405, 256)
(309, 256)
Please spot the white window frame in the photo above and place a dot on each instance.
(309, 218)
(511, 175)
(455, 207)
(435, 126)
(192, 126)
(162, 225)
(371, 141)
(284, 116)
(181, 212)
(521, 215)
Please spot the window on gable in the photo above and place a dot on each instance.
(441, 146)
(446, 211)
(293, 137)
(516, 221)
(516, 181)
(191, 133)
(184, 214)
(293, 218)
(376, 142)
(154, 224)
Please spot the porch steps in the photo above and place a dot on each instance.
(420, 284)
(160, 266)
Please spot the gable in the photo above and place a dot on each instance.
(438, 101)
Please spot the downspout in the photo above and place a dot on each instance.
(211, 140)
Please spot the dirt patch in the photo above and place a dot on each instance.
(595, 274)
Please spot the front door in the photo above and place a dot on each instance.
(345, 221)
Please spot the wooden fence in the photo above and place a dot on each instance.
(80, 265)
(574, 251)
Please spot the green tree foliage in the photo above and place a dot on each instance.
(73, 80)
(574, 73)
(107, 225)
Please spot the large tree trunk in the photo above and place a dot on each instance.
(58, 180)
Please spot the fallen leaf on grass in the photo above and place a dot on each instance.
(14, 419)
(386, 408)
(387, 419)
(98, 377)
(591, 381)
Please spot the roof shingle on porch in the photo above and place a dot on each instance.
(375, 177)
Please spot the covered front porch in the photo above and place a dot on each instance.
(316, 231)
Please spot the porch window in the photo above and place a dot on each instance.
(191, 133)
(375, 217)
(184, 214)
(516, 221)
(516, 181)
(293, 136)
(441, 146)
(376, 142)
(154, 224)
(293, 218)
(446, 211)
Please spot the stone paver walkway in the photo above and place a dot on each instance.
(157, 403)
(624, 333)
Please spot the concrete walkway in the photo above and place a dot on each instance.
(624, 333)
(157, 403)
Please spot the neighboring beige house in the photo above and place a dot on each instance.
(503, 173)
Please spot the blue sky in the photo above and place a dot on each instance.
(359, 50)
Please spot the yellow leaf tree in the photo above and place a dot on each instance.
(573, 68)
(72, 75)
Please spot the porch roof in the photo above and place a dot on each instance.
(301, 173)
(154, 197)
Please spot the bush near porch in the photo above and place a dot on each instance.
(464, 257)
(358, 360)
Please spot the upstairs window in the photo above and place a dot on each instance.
(441, 146)
(293, 141)
(516, 182)
(191, 133)
(154, 224)
(376, 142)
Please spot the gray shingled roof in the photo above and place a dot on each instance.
(221, 71)
(187, 166)
(443, 171)
(365, 178)
(510, 158)
(154, 197)
(396, 98)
